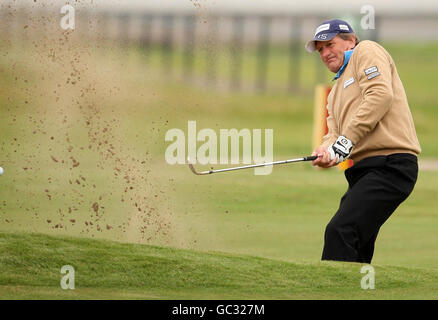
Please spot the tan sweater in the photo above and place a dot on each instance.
(368, 105)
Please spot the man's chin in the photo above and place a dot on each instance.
(333, 68)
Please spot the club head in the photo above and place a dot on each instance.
(193, 168)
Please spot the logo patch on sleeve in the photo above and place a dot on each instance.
(370, 70)
(373, 75)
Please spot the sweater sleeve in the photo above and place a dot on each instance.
(373, 72)
(333, 131)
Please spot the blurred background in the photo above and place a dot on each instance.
(234, 45)
(84, 112)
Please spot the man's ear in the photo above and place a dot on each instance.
(353, 44)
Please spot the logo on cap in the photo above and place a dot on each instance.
(321, 28)
(344, 27)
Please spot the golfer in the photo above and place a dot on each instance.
(369, 121)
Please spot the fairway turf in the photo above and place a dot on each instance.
(86, 160)
(31, 263)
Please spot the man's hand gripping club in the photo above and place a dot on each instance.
(337, 152)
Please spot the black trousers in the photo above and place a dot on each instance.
(376, 187)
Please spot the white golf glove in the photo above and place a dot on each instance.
(342, 148)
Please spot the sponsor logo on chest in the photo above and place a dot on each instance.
(348, 82)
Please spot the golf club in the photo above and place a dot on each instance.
(309, 158)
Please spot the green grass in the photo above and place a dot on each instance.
(31, 264)
(110, 182)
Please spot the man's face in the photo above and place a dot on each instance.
(332, 51)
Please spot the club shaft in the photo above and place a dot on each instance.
(262, 164)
